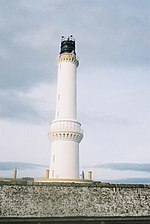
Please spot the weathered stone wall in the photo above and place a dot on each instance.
(64, 199)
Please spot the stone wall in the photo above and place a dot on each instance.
(72, 199)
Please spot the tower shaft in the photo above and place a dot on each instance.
(66, 106)
(65, 131)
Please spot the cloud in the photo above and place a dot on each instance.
(105, 119)
(26, 69)
(44, 6)
(136, 180)
(4, 54)
(145, 167)
(27, 106)
(116, 34)
(37, 39)
(120, 172)
(27, 47)
(17, 107)
(20, 166)
(34, 170)
(31, 31)
(113, 47)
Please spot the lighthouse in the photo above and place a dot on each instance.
(65, 131)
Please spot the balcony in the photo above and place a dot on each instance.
(66, 126)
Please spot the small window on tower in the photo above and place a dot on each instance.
(53, 158)
(58, 96)
(57, 113)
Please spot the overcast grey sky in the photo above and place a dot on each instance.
(113, 44)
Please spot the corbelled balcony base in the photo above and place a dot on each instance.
(65, 130)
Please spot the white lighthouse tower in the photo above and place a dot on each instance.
(65, 131)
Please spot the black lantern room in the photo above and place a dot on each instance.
(67, 44)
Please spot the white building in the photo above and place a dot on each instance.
(65, 131)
